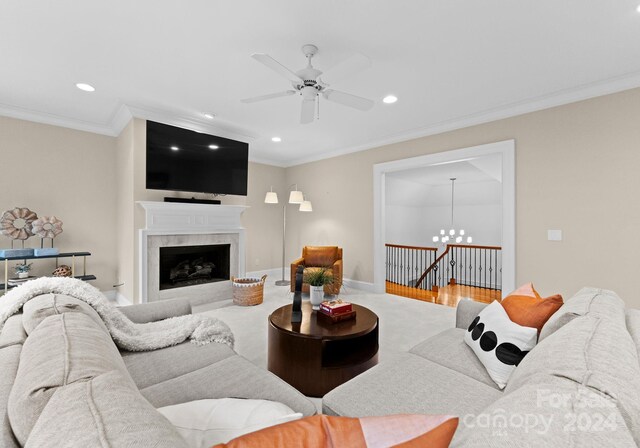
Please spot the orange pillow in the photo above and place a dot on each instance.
(322, 431)
(525, 307)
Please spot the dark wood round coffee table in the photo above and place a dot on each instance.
(315, 356)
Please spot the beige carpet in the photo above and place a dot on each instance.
(403, 322)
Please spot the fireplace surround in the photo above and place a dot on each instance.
(179, 226)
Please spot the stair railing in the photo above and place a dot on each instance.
(404, 264)
(464, 264)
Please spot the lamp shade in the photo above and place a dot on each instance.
(305, 206)
(271, 197)
(296, 197)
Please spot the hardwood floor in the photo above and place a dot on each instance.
(448, 295)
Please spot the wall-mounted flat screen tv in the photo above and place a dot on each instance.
(183, 160)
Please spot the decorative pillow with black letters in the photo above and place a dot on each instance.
(499, 343)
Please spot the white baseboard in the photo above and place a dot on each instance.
(357, 284)
(116, 297)
(272, 274)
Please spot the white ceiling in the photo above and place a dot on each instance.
(451, 63)
(478, 182)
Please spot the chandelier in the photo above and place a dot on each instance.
(452, 236)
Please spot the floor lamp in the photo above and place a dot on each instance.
(295, 197)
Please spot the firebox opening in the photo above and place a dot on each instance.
(182, 266)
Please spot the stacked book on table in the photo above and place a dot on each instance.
(337, 310)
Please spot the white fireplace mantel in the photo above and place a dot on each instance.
(174, 218)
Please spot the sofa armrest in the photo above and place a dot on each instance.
(294, 268)
(466, 311)
(151, 312)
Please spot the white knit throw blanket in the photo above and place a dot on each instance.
(126, 334)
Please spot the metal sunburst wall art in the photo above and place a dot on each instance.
(46, 227)
(20, 223)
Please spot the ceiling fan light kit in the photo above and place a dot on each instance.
(310, 83)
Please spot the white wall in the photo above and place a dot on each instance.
(477, 210)
(482, 222)
(416, 226)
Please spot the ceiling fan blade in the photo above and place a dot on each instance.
(347, 99)
(308, 112)
(346, 68)
(277, 67)
(268, 97)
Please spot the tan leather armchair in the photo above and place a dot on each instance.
(329, 257)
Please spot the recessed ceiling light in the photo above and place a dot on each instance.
(85, 87)
(638, 8)
(276, 139)
(209, 116)
(390, 99)
(175, 148)
(213, 146)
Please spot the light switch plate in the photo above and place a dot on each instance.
(554, 235)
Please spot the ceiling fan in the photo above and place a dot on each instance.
(310, 83)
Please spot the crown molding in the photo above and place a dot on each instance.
(265, 161)
(216, 127)
(559, 98)
(120, 119)
(21, 113)
(125, 112)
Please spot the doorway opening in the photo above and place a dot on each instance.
(415, 212)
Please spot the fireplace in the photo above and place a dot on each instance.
(182, 266)
(214, 235)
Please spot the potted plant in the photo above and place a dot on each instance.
(317, 278)
(22, 270)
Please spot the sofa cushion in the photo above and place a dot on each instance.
(45, 305)
(409, 384)
(157, 366)
(525, 307)
(633, 327)
(560, 413)
(449, 350)
(320, 431)
(12, 337)
(499, 343)
(204, 423)
(63, 349)
(593, 301)
(12, 332)
(594, 352)
(9, 360)
(103, 411)
(233, 377)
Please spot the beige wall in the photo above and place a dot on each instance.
(125, 234)
(576, 170)
(69, 174)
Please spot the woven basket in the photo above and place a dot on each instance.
(248, 291)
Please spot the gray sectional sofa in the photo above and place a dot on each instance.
(63, 382)
(579, 387)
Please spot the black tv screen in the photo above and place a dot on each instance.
(183, 160)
